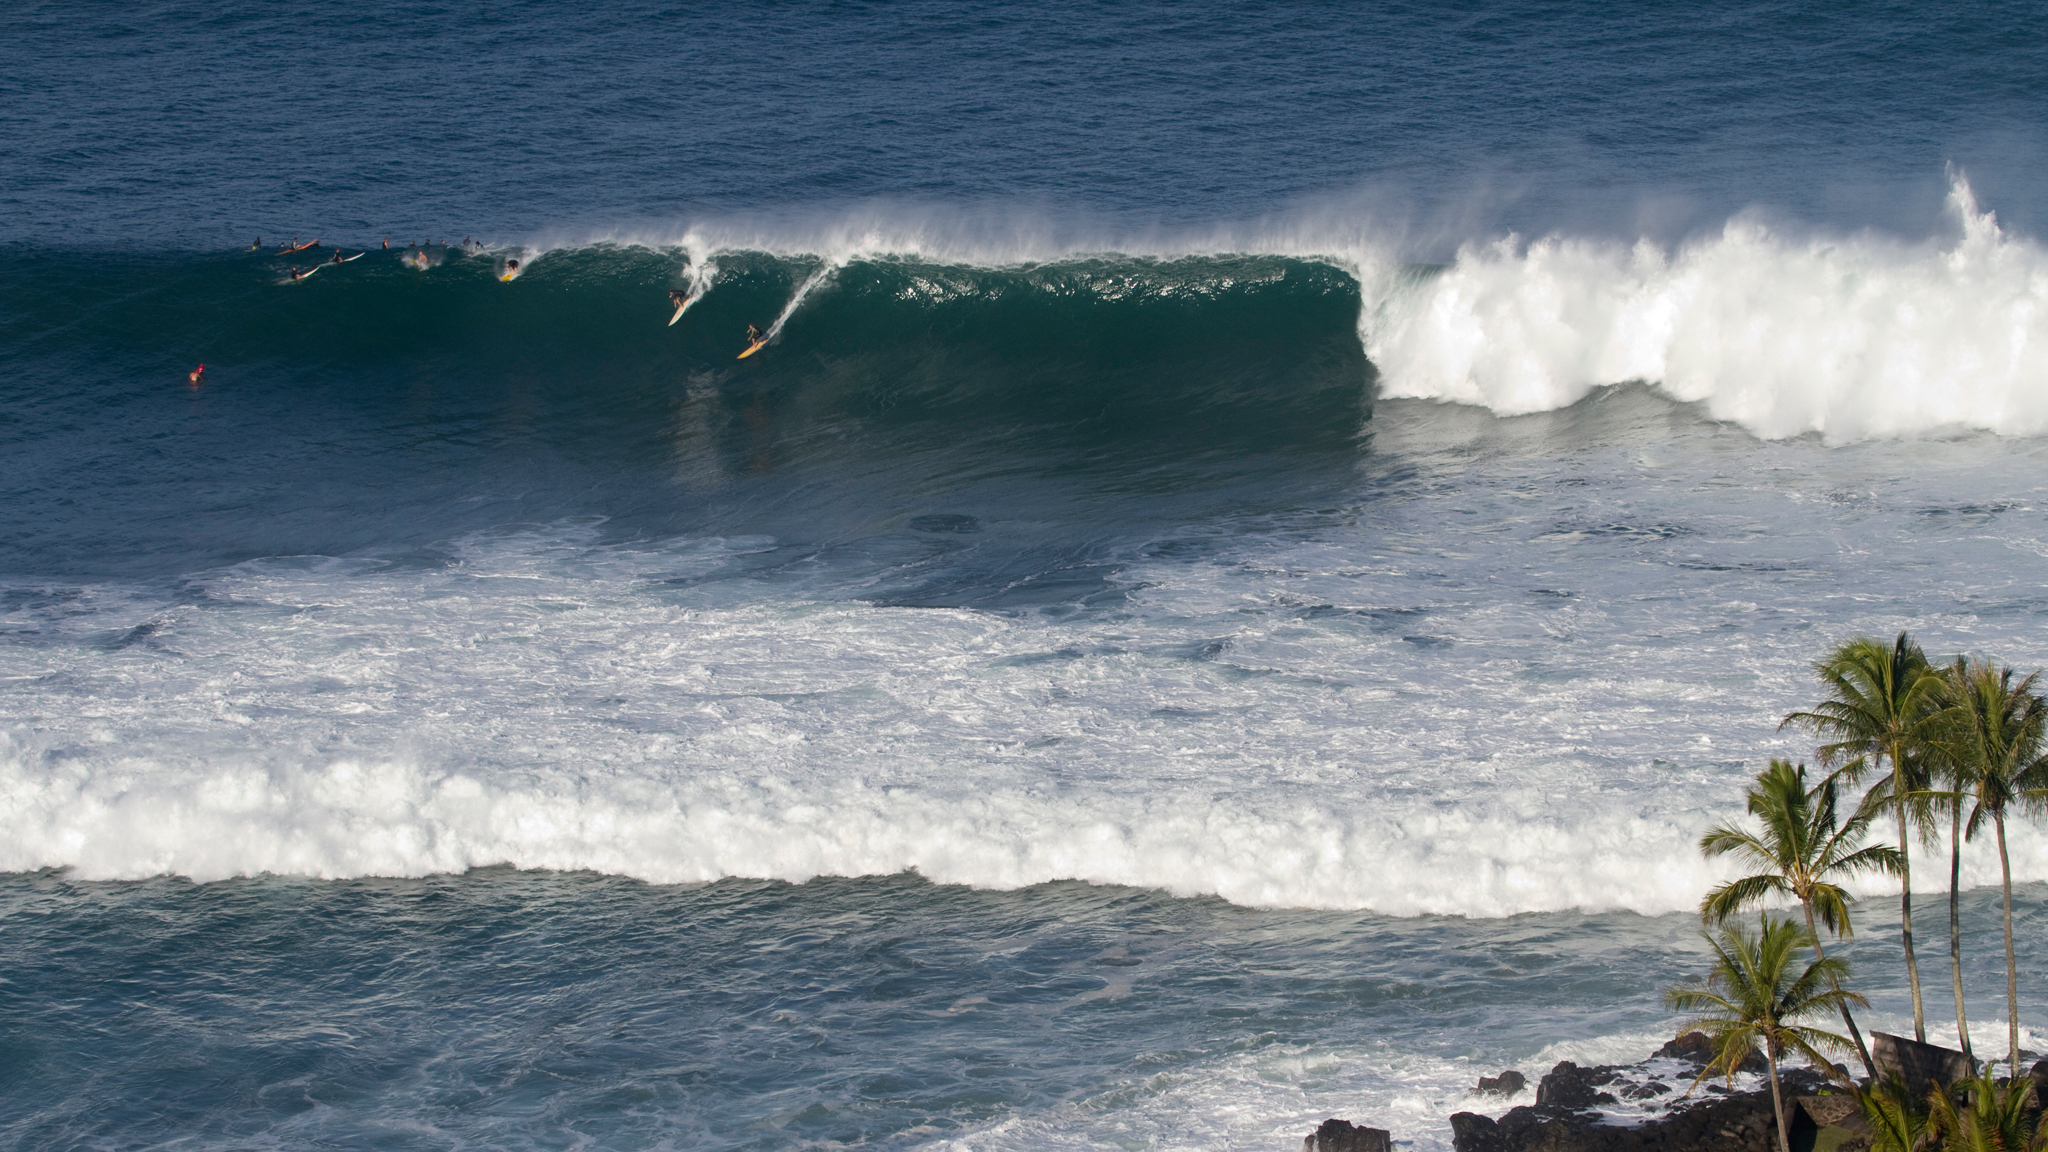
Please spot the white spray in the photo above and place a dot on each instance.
(1851, 338)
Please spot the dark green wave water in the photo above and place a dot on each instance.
(377, 403)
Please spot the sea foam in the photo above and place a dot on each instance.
(1783, 331)
(1302, 722)
(1853, 337)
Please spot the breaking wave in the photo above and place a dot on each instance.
(1852, 337)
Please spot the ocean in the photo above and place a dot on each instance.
(1258, 540)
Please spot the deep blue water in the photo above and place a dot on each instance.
(1260, 537)
(198, 125)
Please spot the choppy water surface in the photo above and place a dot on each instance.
(1258, 541)
(554, 1011)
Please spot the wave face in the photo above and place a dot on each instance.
(401, 407)
(1848, 337)
(1162, 570)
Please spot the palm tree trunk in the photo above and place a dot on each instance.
(2012, 968)
(1906, 917)
(1955, 925)
(1778, 1100)
(1854, 1033)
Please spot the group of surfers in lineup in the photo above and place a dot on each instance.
(470, 247)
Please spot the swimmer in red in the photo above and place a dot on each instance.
(195, 376)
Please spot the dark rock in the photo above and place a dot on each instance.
(1695, 1048)
(1471, 1132)
(1723, 1121)
(1342, 1136)
(1645, 1091)
(1570, 1086)
(1506, 1084)
(2039, 1074)
(1692, 1047)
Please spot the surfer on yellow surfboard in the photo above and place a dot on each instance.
(754, 342)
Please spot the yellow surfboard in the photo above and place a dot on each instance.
(756, 346)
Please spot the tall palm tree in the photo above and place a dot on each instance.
(1802, 847)
(1956, 774)
(1879, 711)
(1753, 998)
(1999, 728)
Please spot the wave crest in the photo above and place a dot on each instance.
(1850, 338)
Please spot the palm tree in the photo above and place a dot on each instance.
(1879, 711)
(1957, 774)
(1802, 847)
(1997, 1118)
(2000, 730)
(1898, 1120)
(1753, 998)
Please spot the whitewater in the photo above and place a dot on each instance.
(1259, 542)
(1781, 328)
(1397, 703)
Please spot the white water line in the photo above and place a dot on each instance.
(701, 274)
(823, 274)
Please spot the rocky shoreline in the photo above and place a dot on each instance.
(1576, 1111)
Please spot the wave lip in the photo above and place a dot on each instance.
(1850, 338)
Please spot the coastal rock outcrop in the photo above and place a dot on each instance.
(1506, 1084)
(1694, 1048)
(1715, 1120)
(1570, 1086)
(1343, 1136)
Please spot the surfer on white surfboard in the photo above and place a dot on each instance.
(677, 297)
